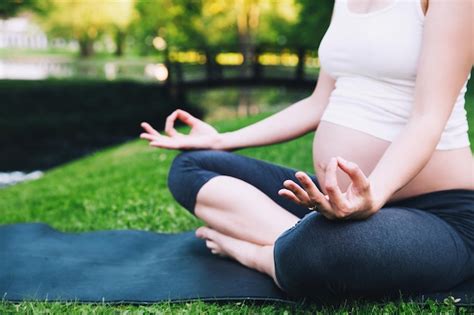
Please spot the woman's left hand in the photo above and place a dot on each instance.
(358, 202)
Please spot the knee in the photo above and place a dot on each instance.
(184, 163)
(299, 260)
(188, 171)
(319, 257)
(179, 166)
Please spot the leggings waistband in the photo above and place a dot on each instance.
(451, 198)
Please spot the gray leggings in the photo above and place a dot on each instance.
(419, 244)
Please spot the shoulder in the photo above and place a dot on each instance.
(448, 30)
(452, 17)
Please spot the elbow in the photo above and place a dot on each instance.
(426, 128)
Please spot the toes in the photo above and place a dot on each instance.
(211, 238)
(215, 249)
(207, 233)
(211, 245)
(202, 232)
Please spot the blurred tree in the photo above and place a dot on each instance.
(313, 21)
(222, 23)
(176, 21)
(10, 8)
(244, 24)
(277, 20)
(87, 20)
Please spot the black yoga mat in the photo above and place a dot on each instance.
(129, 266)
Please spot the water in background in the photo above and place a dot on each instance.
(8, 179)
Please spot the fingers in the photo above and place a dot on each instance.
(288, 194)
(324, 209)
(334, 205)
(299, 192)
(186, 117)
(149, 137)
(156, 139)
(180, 114)
(161, 141)
(169, 126)
(360, 181)
(315, 196)
(165, 143)
(149, 128)
(332, 188)
(307, 197)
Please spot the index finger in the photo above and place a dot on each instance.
(180, 114)
(313, 192)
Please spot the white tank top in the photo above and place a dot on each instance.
(373, 58)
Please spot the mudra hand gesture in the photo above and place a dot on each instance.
(202, 135)
(357, 202)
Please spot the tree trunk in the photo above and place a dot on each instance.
(120, 43)
(247, 22)
(86, 47)
(243, 108)
(248, 18)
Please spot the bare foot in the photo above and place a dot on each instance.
(224, 245)
(254, 256)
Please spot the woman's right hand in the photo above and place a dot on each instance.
(201, 136)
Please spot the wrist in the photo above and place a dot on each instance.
(379, 198)
(219, 141)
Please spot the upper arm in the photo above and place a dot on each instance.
(445, 60)
(325, 83)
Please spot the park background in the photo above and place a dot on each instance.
(78, 76)
(95, 69)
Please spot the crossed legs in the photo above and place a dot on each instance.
(400, 247)
(237, 197)
(235, 228)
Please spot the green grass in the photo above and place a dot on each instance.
(124, 187)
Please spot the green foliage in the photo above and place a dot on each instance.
(175, 20)
(254, 21)
(125, 187)
(313, 21)
(10, 8)
(197, 23)
(86, 21)
(182, 23)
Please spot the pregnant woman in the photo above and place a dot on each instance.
(391, 206)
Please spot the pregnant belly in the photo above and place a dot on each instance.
(447, 169)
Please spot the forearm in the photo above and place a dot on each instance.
(404, 158)
(444, 64)
(289, 123)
